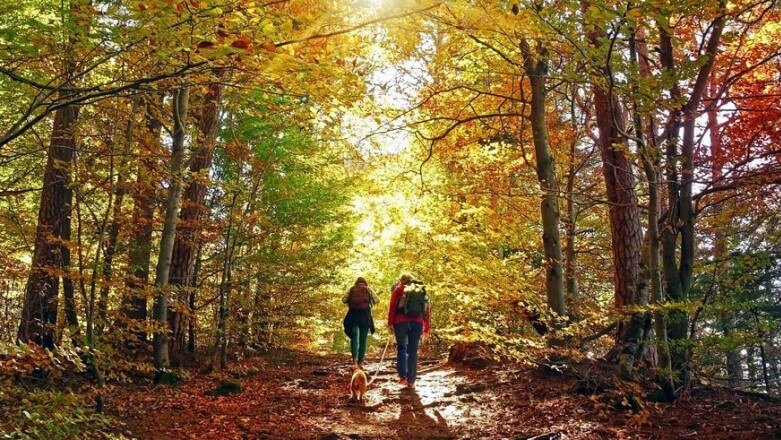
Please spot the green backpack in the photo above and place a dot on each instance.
(413, 300)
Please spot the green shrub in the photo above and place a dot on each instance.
(53, 415)
(226, 387)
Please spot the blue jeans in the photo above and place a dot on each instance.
(407, 340)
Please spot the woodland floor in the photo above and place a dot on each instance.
(306, 396)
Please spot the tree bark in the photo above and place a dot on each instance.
(734, 370)
(160, 341)
(534, 64)
(192, 215)
(624, 213)
(39, 308)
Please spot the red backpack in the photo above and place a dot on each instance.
(359, 297)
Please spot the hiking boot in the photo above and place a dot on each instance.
(410, 386)
(403, 381)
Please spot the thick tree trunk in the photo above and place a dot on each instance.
(626, 231)
(546, 174)
(624, 213)
(39, 308)
(160, 309)
(623, 209)
(192, 215)
(134, 303)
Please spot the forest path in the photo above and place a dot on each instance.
(303, 396)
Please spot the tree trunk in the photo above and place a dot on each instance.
(623, 209)
(751, 366)
(225, 305)
(734, 370)
(116, 221)
(765, 374)
(221, 342)
(650, 159)
(193, 286)
(160, 309)
(546, 174)
(192, 215)
(624, 213)
(680, 218)
(134, 302)
(39, 307)
(570, 253)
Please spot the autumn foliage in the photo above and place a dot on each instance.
(185, 185)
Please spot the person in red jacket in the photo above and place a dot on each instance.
(409, 317)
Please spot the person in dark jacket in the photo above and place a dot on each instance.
(359, 320)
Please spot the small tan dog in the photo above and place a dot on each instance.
(358, 384)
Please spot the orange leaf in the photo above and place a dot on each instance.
(241, 43)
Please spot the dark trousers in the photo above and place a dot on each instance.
(407, 340)
(358, 341)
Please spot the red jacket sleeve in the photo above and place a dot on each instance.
(392, 306)
(427, 320)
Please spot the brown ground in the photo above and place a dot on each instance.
(306, 397)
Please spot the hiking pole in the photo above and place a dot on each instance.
(382, 358)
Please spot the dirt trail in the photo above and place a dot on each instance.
(306, 397)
